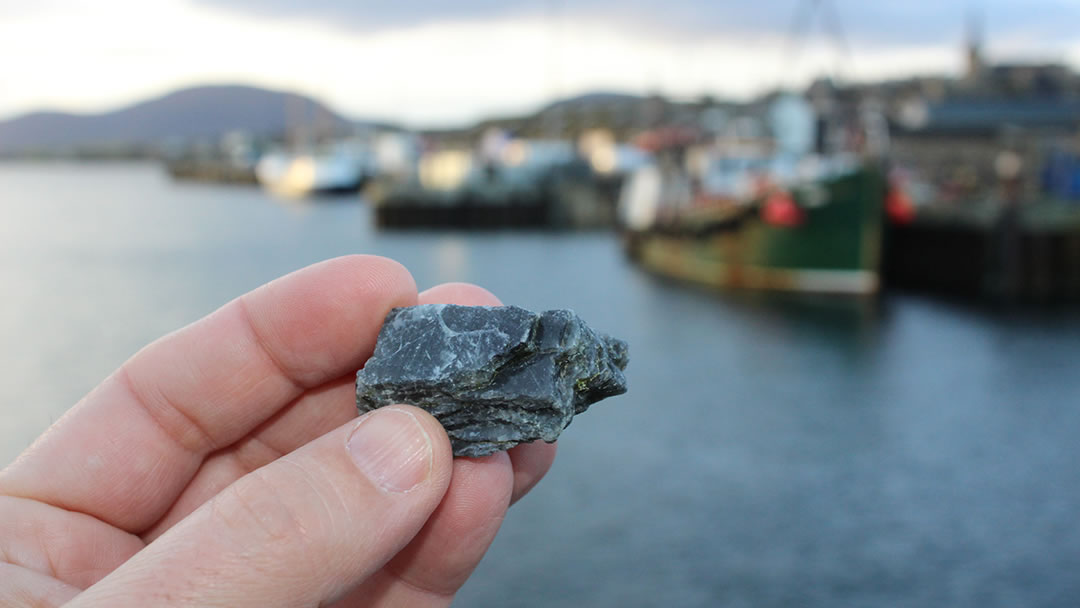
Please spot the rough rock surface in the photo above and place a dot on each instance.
(494, 376)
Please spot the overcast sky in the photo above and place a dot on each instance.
(432, 62)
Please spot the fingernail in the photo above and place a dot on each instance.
(392, 449)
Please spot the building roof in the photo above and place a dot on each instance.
(987, 117)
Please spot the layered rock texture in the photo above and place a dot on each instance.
(494, 376)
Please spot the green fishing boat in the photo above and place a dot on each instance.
(767, 212)
(830, 244)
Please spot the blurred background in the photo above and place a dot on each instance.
(842, 239)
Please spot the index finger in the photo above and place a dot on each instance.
(127, 450)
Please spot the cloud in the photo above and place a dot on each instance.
(876, 23)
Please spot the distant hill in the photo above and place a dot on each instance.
(622, 113)
(211, 111)
(206, 111)
(596, 98)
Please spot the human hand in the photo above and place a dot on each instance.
(222, 465)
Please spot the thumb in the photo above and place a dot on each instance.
(302, 530)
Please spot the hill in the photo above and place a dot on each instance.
(621, 113)
(198, 112)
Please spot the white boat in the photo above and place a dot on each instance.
(337, 168)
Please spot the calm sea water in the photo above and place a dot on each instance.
(770, 452)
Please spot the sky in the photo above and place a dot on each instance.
(439, 63)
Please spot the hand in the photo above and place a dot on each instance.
(222, 465)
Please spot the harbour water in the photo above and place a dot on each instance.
(770, 452)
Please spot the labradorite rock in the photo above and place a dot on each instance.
(494, 376)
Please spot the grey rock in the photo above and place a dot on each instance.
(494, 376)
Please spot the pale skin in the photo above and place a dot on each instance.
(223, 465)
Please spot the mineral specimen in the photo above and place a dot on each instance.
(494, 376)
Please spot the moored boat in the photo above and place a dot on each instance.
(737, 211)
(833, 246)
(342, 167)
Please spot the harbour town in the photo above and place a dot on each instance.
(963, 186)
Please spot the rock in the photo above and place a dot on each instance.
(494, 376)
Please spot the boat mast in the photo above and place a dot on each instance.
(555, 122)
(804, 15)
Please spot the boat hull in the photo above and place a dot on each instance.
(309, 175)
(837, 249)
